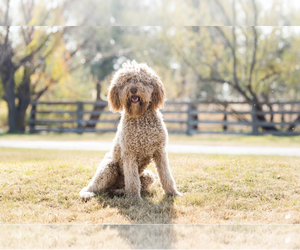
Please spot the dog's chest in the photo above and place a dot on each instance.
(142, 136)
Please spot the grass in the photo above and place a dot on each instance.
(41, 186)
(149, 236)
(221, 140)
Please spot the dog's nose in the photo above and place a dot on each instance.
(133, 90)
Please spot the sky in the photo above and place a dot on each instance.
(52, 4)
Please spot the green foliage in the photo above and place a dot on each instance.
(19, 76)
(103, 68)
(1, 89)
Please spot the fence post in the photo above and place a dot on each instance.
(32, 118)
(79, 117)
(189, 119)
(254, 119)
(225, 118)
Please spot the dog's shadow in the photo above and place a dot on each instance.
(150, 219)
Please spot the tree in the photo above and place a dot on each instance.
(251, 60)
(18, 65)
(33, 55)
(109, 54)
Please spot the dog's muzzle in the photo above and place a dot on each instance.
(135, 99)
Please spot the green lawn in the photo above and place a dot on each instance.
(41, 186)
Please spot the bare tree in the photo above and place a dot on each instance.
(243, 86)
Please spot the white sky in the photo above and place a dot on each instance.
(267, 4)
(17, 17)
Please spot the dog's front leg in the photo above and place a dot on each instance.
(164, 173)
(132, 179)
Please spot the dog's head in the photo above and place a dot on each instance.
(135, 87)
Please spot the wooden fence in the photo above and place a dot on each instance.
(181, 117)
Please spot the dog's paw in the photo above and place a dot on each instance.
(174, 193)
(85, 195)
(133, 197)
(178, 194)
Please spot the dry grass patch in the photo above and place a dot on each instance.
(41, 186)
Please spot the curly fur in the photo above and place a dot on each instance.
(141, 136)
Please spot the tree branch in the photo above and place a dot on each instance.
(255, 12)
(63, 31)
(233, 13)
(227, 20)
(239, 116)
(224, 36)
(268, 76)
(234, 57)
(232, 47)
(193, 67)
(26, 17)
(90, 58)
(7, 13)
(249, 86)
(233, 52)
(236, 81)
(90, 35)
(50, 80)
(26, 39)
(6, 36)
(40, 93)
(5, 51)
(253, 62)
(28, 57)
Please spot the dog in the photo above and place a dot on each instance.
(137, 92)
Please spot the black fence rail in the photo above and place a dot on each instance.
(181, 117)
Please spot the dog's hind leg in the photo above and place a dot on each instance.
(147, 179)
(105, 176)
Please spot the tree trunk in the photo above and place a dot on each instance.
(16, 113)
(293, 125)
(11, 113)
(7, 72)
(24, 100)
(194, 117)
(95, 117)
(262, 118)
(20, 120)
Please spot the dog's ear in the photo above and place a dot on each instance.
(114, 98)
(158, 94)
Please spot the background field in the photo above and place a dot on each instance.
(41, 186)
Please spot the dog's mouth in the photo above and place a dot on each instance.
(135, 99)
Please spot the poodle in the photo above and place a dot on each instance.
(137, 92)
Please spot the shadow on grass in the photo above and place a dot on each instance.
(151, 220)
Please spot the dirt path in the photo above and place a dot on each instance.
(172, 148)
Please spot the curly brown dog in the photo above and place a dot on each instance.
(137, 92)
